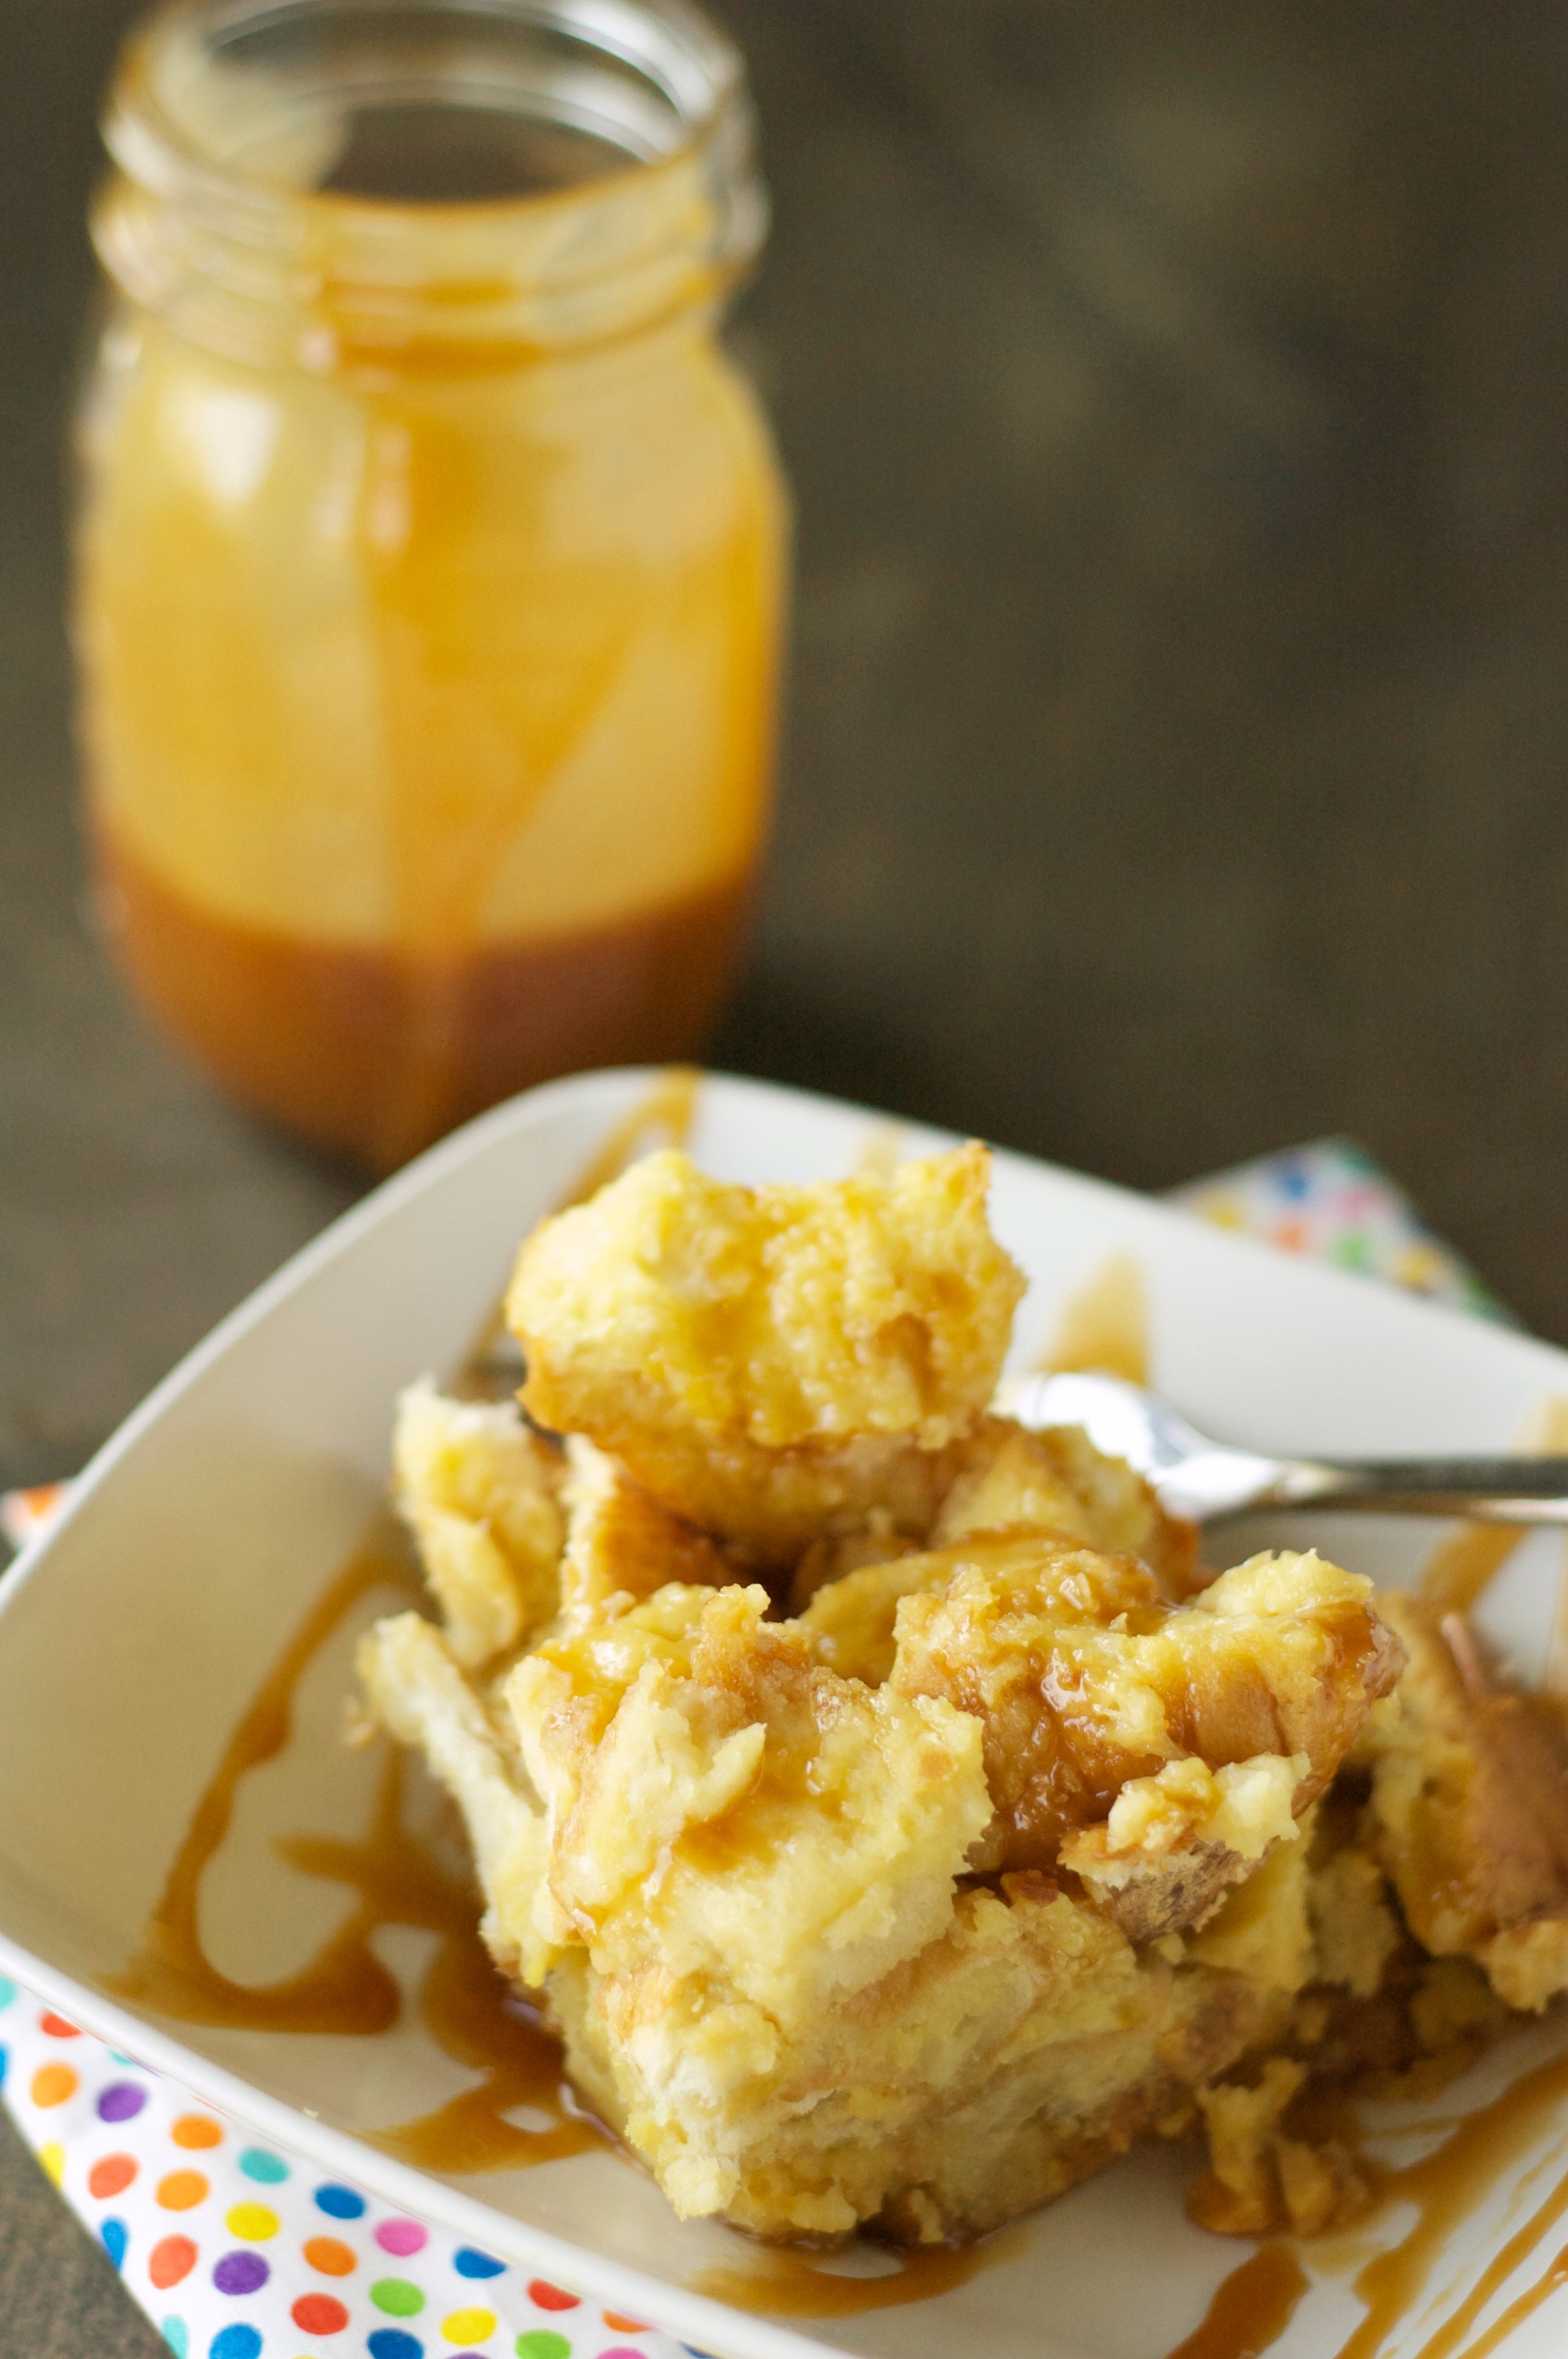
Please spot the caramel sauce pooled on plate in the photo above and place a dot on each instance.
(1249, 2312)
(466, 2005)
(345, 1988)
(1466, 1562)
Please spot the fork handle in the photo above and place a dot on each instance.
(1489, 1490)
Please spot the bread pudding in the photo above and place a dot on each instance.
(893, 1818)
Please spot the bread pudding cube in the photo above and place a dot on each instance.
(766, 1360)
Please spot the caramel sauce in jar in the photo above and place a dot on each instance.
(430, 559)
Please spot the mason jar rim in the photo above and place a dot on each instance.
(200, 225)
(670, 44)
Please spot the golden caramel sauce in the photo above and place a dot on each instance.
(471, 2013)
(1104, 1328)
(787, 2284)
(344, 1987)
(1554, 1673)
(663, 1118)
(1518, 2311)
(1251, 2308)
(1465, 1564)
(1444, 2187)
(465, 2002)
(374, 1051)
(1449, 2337)
(492, 1366)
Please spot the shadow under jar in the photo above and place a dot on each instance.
(430, 550)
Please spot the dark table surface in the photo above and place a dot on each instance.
(1177, 407)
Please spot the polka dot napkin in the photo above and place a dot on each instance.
(237, 2250)
(1332, 1201)
(240, 2251)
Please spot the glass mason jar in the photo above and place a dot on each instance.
(430, 551)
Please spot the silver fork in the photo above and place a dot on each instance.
(1207, 1479)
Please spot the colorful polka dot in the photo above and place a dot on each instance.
(235, 2343)
(7, 1991)
(391, 2342)
(251, 2221)
(401, 2237)
(549, 2296)
(112, 2175)
(320, 2314)
(243, 2203)
(339, 2202)
(170, 2259)
(182, 2191)
(238, 2273)
(121, 2101)
(4, 2060)
(467, 2327)
(397, 2298)
(196, 2130)
(53, 2083)
(333, 2258)
(469, 2264)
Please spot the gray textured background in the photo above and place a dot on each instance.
(1175, 400)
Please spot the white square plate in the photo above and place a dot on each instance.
(133, 1636)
